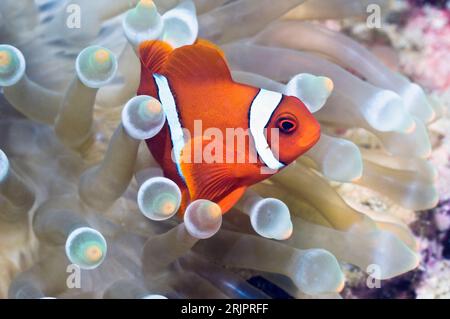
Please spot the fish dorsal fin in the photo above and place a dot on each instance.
(202, 62)
(211, 45)
(153, 55)
(220, 182)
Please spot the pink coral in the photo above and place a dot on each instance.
(429, 30)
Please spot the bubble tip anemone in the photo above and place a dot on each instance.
(159, 198)
(392, 257)
(86, 247)
(417, 102)
(4, 166)
(153, 296)
(12, 65)
(143, 117)
(181, 25)
(318, 272)
(203, 219)
(311, 90)
(337, 169)
(147, 3)
(386, 112)
(96, 66)
(142, 23)
(270, 218)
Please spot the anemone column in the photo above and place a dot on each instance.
(101, 185)
(16, 197)
(95, 67)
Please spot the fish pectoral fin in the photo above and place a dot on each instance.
(231, 199)
(220, 182)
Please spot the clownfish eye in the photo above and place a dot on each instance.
(286, 124)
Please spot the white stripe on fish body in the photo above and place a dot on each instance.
(170, 109)
(261, 110)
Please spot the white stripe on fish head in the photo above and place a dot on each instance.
(261, 110)
(170, 109)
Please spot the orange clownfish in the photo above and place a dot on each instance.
(194, 83)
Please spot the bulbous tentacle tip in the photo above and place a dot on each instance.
(143, 117)
(343, 162)
(12, 65)
(317, 272)
(439, 108)
(4, 166)
(181, 25)
(412, 143)
(421, 197)
(155, 297)
(312, 90)
(86, 247)
(96, 66)
(203, 219)
(337, 159)
(417, 103)
(159, 198)
(392, 258)
(142, 23)
(271, 218)
(386, 112)
(146, 4)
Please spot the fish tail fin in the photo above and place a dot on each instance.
(153, 55)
